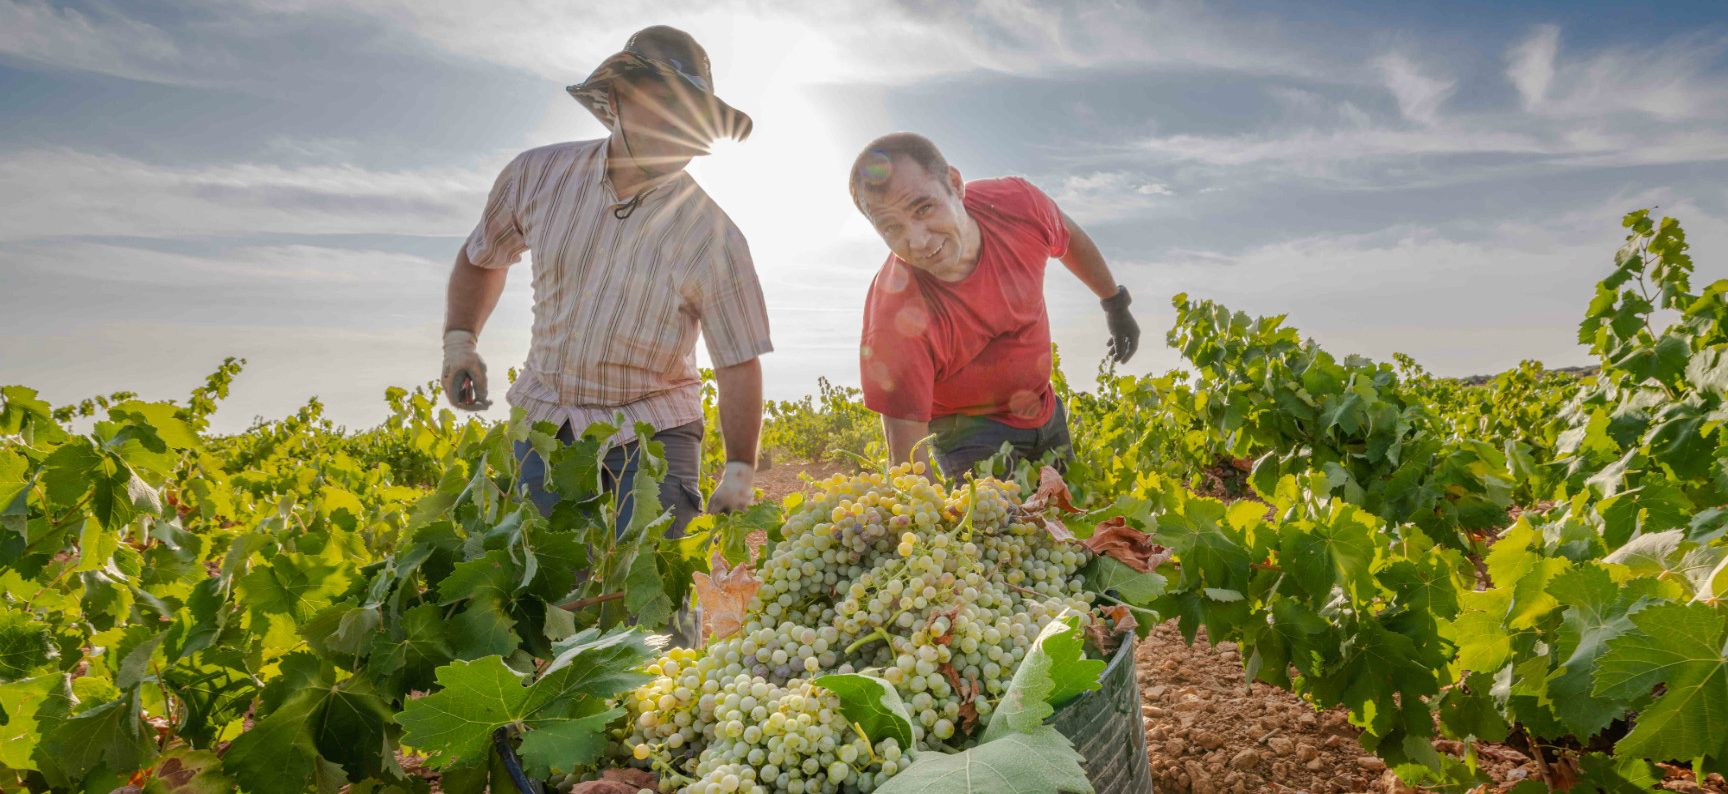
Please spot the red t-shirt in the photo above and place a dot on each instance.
(979, 346)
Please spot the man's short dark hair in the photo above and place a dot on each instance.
(875, 165)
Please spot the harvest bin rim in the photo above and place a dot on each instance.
(1094, 721)
(1107, 729)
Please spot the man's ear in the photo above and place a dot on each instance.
(955, 183)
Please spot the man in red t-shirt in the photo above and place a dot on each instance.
(956, 338)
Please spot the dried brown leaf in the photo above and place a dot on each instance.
(619, 781)
(967, 689)
(1113, 623)
(1052, 492)
(1058, 530)
(724, 593)
(1127, 545)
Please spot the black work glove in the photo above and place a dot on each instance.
(1124, 332)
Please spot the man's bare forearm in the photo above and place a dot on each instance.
(903, 436)
(740, 409)
(1087, 262)
(472, 294)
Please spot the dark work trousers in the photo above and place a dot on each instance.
(683, 451)
(962, 441)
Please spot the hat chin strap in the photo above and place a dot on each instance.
(624, 209)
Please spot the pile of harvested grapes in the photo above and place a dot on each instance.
(889, 593)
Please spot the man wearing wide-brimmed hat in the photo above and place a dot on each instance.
(631, 260)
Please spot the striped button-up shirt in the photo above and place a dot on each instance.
(618, 302)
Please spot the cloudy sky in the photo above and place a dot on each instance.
(288, 180)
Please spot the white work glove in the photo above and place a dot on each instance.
(736, 489)
(464, 373)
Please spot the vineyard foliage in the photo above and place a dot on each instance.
(1541, 559)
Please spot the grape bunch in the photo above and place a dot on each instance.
(940, 592)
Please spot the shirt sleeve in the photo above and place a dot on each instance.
(1044, 213)
(497, 240)
(729, 302)
(896, 367)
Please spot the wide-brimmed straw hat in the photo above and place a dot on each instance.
(672, 54)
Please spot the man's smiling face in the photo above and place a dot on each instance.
(920, 216)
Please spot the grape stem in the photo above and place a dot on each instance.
(878, 634)
(1131, 607)
(578, 604)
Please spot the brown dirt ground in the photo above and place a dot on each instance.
(784, 477)
(1208, 731)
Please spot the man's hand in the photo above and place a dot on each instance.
(1124, 332)
(464, 374)
(736, 489)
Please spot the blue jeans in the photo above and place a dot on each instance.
(683, 449)
(962, 441)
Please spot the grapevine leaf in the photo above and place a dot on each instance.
(493, 575)
(1682, 647)
(1662, 554)
(321, 722)
(590, 667)
(454, 725)
(562, 555)
(410, 654)
(14, 481)
(69, 470)
(109, 736)
(873, 704)
(1469, 711)
(1211, 552)
(29, 705)
(295, 585)
(1516, 562)
(1036, 762)
(1598, 609)
(25, 644)
(1599, 772)
(96, 545)
(1054, 672)
(559, 747)
(1105, 574)
(483, 628)
(1337, 549)
(645, 591)
(1382, 673)
(278, 756)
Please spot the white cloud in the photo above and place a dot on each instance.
(58, 192)
(1530, 64)
(1673, 81)
(1103, 196)
(264, 267)
(849, 41)
(99, 41)
(1313, 146)
(1419, 95)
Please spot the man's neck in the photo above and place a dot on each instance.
(626, 173)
